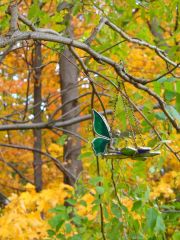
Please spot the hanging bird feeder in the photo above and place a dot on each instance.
(103, 144)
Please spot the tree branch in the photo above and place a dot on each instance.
(15, 170)
(55, 160)
(140, 42)
(47, 125)
(95, 31)
(100, 58)
(166, 73)
(161, 102)
(13, 10)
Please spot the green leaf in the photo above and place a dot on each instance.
(68, 227)
(176, 236)
(83, 203)
(76, 220)
(120, 114)
(151, 217)
(115, 230)
(96, 203)
(138, 169)
(173, 112)
(58, 226)
(61, 140)
(160, 226)
(147, 194)
(169, 95)
(165, 79)
(137, 205)
(58, 209)
(45, 18)
(124, 208)
(56, 221)
(77, 7)
(106, 215)
(157, 87)
(61, 236)
(99, 190)
(116, 210)
(51, 233)
(76, 237)
(160, 116)
(4, 21)
(71, 201)
(137, 96)
(95, 180)
(34, 11)
(152, 142)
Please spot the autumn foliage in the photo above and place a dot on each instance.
(119, 199)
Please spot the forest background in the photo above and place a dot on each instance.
(58, 61)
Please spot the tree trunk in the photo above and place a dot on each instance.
(37, 62)
(69, 79)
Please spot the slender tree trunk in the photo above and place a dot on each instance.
(69, 81)
(37, 62)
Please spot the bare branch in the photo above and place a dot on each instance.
(15, 170)
(161, 102)
(27, 22)
(47, 125)
(56, 161)
(4, 41)
(140, 42)
(100, 58)
(33, 28)
(77, 98)
(95, 31)
(166, 73)
(5, 53)
(70, 132)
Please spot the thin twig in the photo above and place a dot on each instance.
(15, 170)
(140, 42)
(95, 31)
(90, 79)
(100, 204)
(166, 73)
(60, 166)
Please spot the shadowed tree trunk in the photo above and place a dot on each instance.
(37, 62)
(68, 82)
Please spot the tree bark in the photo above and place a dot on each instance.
(69, 79)
(37, 63)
